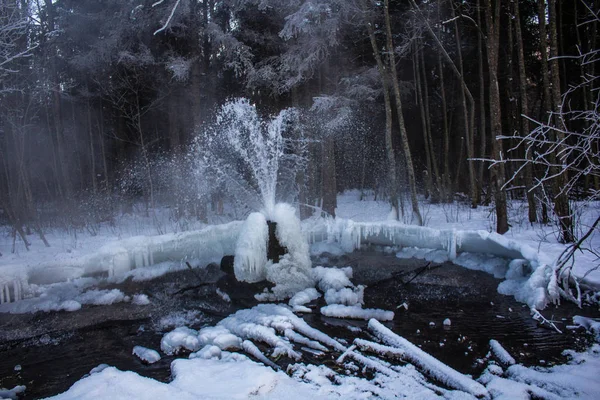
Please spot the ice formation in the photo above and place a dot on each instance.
(527, 277)
(251, 249)
(303, 297)
(293, 271)
(147, 355)
(180, 338)
(121, 258)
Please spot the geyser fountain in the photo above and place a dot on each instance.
(253, 158)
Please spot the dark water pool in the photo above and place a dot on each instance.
(55, 350)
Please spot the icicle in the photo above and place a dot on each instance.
(452, 245)
(2, 294)
(16, 291)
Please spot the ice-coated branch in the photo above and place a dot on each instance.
(170, 15)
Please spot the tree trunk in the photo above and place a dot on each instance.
(389, 146)
(447, 180)
(561, 199)
(493, 29)
(547, 99)
(419, 92)
(524, 112)
(436, 172)
(329, 179)
(482, 110)
(468, 127)
(403, 135)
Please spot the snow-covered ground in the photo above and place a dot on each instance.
(62, 277)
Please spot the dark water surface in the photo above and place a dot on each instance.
(55, 350)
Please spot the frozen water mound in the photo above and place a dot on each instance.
(119, 257)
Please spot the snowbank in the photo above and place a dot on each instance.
(228, 378)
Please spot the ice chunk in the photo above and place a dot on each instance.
(181, 337)
(289, 279)
(147, 355)
(341, 311)
(297, 338)
(223, 295)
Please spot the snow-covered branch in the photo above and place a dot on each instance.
(170, 15)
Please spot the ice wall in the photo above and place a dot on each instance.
(351, 235)
(117, 258)
(528, 279)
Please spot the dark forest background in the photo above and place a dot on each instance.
(102, 102)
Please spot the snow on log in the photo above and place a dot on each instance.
(427, 363)
(297, 338)
(382, 350)
(255, 352)
(374, 364)
(501, 354)
(355, 312)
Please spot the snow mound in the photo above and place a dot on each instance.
(208, 352)
(346, 296)
(591, 325)
(332, 278)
